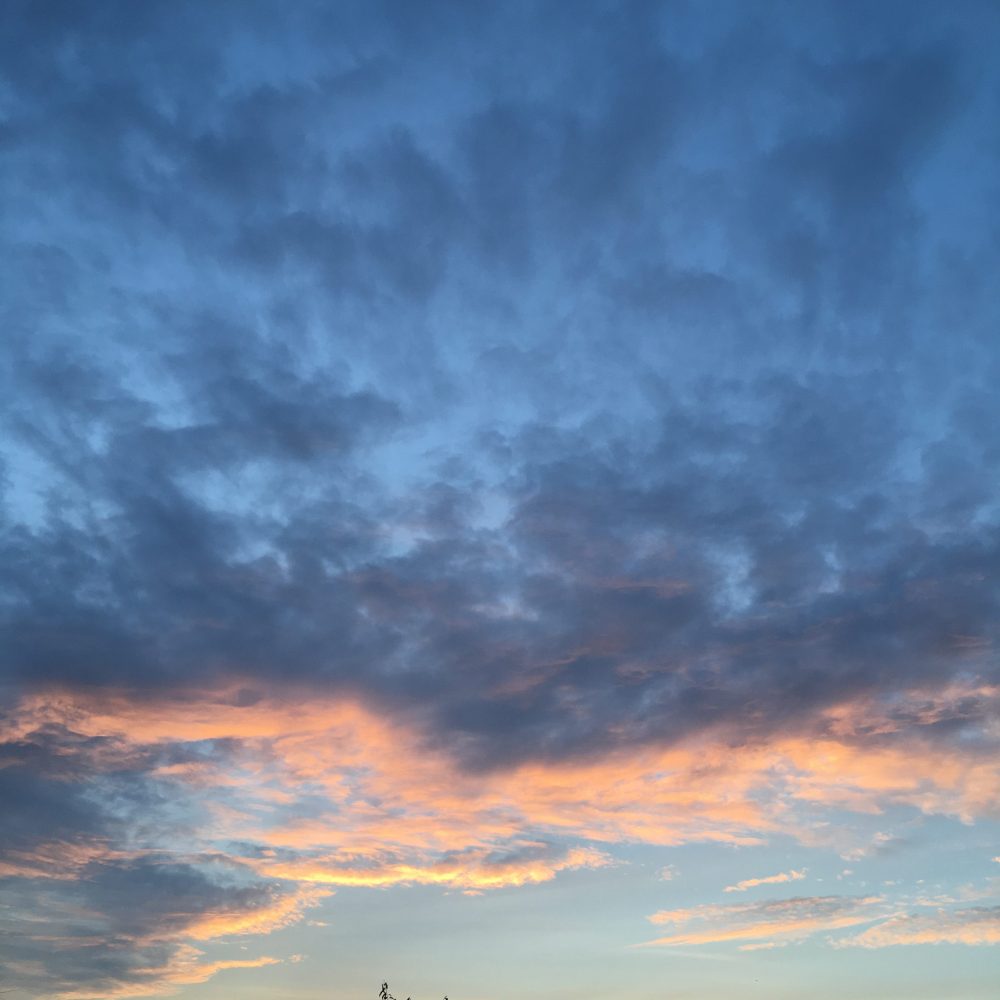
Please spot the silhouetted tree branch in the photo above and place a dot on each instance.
(384, 994)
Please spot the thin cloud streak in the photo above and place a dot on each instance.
(185, 969)
(750, 883)
(974, 926)
(772, 921)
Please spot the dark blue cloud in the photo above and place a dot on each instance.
(275, 302)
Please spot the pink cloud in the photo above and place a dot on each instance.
(750, 883)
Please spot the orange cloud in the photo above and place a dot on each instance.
(262, 920)
(185, 968)
(750, 883)
(373, 772)
(329, 792)
(978, 925)
(772, 921)
(475, 872)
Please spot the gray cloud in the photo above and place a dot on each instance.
(194, 479)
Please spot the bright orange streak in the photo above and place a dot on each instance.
(473, 876)
(264, 920)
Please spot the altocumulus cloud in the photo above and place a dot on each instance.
(388, 435)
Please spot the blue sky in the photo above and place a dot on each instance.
(500, 498)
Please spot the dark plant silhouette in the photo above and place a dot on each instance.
(384, 994)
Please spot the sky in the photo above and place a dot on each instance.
(501, 498)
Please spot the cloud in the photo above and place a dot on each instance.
(974, 926)
(185, 969)
(470, 870)
(218, 750)
(245, 811)
(587, 424)
(776, 923)
(750, 883)
(131, 926)
(770, 921)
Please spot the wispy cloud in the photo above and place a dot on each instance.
(186, 967)
(471, 870)
(749, 883)
(773, 921)
(973, 926)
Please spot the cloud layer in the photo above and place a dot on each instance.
(441, 446)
